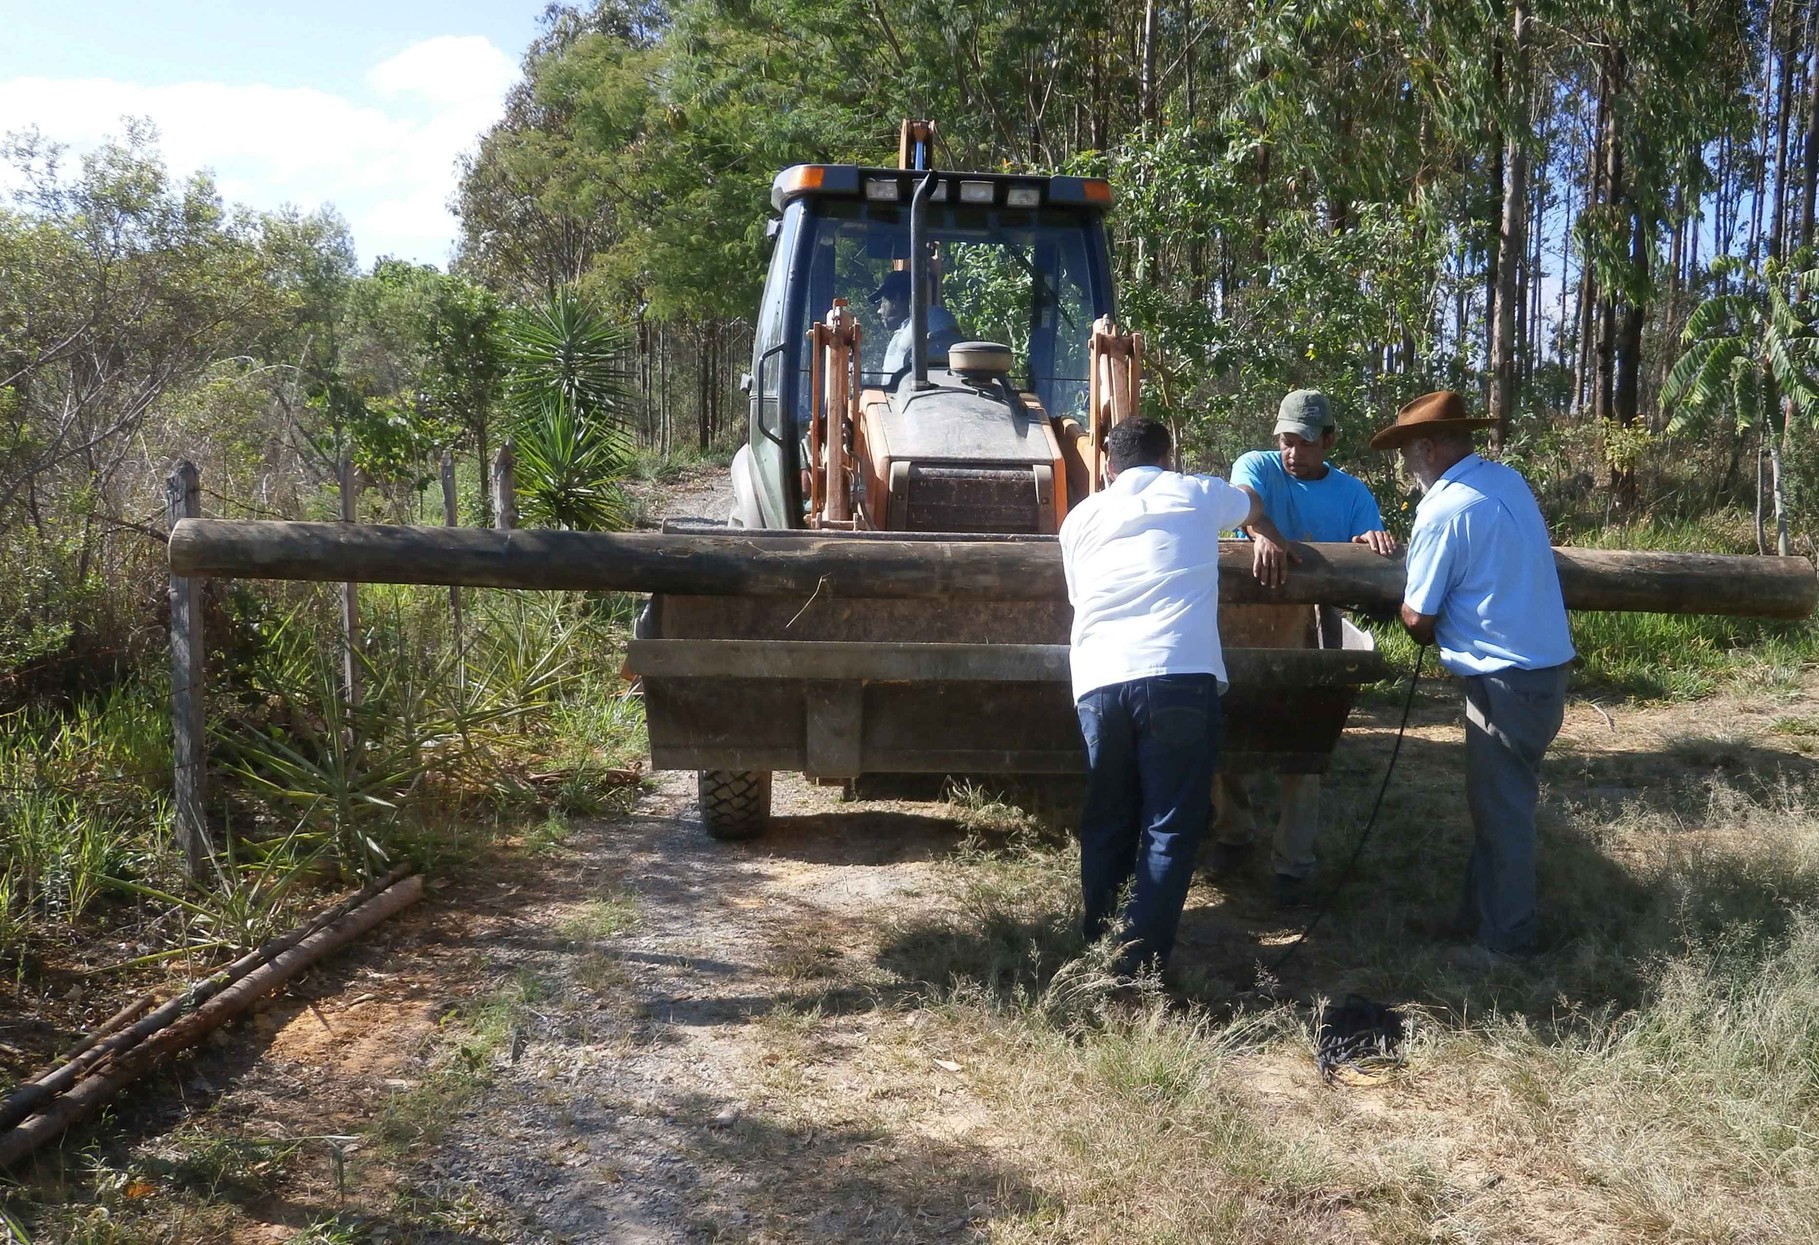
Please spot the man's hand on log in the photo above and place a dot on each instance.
(1270, 555)
(1381, 543)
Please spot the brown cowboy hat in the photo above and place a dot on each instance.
(1431, 412)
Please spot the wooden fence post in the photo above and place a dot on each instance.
(350, 604)
(505, 488)
(183, 500)
(451, 517)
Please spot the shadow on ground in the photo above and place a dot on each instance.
(825, 1182)
(1607, 926)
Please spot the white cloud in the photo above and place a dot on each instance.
(388, 166)
(450, 70)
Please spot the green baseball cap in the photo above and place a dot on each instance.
(1306, 413)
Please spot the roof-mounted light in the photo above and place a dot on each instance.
(977, 192)
(801, 179)
(798, 178)
(883, 189)
(1023, 195)
(1093, 191)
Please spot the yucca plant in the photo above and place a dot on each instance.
(1753, 355)
(569, 469)
(568, 397)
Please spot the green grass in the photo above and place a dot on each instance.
(1683, 657)
(432, 767)
(615, 914)
(1655, 1073)
(82, 801)
(474, 1041)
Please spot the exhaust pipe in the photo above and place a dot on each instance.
(919, 283)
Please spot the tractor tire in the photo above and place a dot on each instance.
(735, 804)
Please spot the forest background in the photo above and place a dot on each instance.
(1595, 218)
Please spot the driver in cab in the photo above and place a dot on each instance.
(892, 299)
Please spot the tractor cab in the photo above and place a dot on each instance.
(882, 275)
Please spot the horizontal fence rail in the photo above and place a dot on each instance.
(736, 563)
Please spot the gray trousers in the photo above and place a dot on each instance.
(1510, 719)
(1297, 825)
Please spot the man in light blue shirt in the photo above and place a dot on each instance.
(1482, 585)
(1307, 498)
(1304, 494)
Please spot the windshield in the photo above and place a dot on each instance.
(1021, 277)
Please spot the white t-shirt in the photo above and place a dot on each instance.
(1142, 563)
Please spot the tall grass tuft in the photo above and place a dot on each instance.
(82, 801)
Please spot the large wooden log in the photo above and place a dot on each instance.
(735, 563)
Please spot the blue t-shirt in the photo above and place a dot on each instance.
(1480, 559)
(1335, 507)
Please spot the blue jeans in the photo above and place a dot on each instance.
(1151, 748)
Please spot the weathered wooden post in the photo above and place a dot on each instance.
(451, 517)
(350, 604)
(183, 500)
(505, 488)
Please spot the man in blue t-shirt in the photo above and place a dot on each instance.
(1308, 499)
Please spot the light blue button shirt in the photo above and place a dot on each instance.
(1480, 559)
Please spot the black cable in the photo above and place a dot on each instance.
(1370, 823)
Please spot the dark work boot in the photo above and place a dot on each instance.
(1227, 860)
(1292, 892)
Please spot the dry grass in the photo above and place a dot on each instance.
(1653, 1076)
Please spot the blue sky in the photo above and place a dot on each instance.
(365, 106)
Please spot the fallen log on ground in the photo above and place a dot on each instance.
(84, 1084)
(113, 1024)
(790, 564)
(106, 1041)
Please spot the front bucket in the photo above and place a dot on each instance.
(839, 687)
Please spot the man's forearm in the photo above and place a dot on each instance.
(1261, 525)
(1419, 626)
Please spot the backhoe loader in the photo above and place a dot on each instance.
(936, 354)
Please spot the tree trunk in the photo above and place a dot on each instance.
(1512, 242)
(1753, 256)
(1783, 108)
(1604, 382)
(1782, 545)
(701, 387)
(1761, 473)
(484, 462)
(1147, 83)
(1808, 207)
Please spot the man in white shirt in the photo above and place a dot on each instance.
(1142, 564)
(1483, 586)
